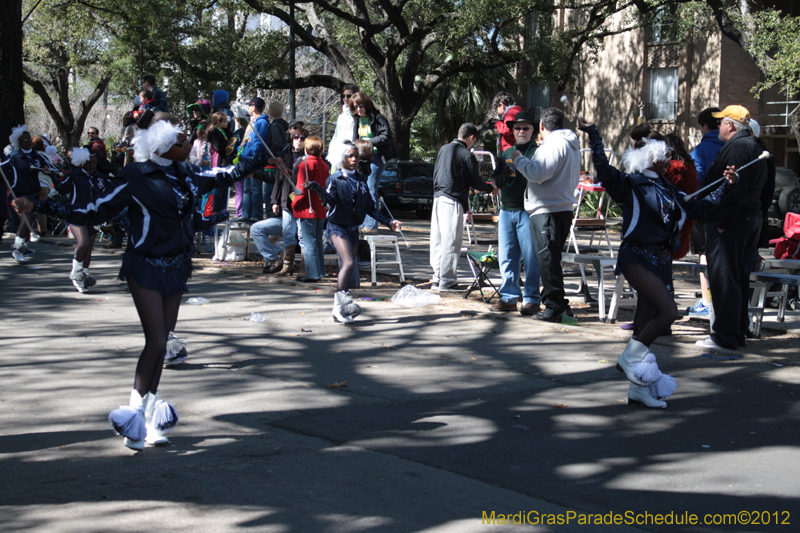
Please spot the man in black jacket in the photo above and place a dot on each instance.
(732, 234)
(456, 170)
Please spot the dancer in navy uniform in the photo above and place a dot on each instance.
(83, 186)
(349, 201)
(22, 171)
(160, 191)
(653, 212)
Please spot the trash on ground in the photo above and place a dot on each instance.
(197, 300)
(305, 330)
(572, 321)
(719, 358)
(410, 296)
(560, 405)
(257, 317)
(776, 364)
(337, 385)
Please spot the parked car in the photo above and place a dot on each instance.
(786, 198)
(407, 185)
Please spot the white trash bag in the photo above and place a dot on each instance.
(410, 296)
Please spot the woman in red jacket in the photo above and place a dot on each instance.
(309, 209)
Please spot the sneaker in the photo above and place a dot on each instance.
(503, 306)
(530, 309)
(627, 327)
(453, 288)
(709, 343)
(699, 309)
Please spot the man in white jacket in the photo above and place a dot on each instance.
(552, 174)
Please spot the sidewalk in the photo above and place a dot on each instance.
(448, 411)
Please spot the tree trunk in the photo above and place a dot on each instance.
(12, 95)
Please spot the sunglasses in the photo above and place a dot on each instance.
(346, 96)
(91, 133)
(299, 138)
(527, 128)
(361, 106)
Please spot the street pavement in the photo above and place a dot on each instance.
(410, 420)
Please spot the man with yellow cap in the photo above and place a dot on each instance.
(732, 233)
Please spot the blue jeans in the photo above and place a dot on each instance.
(252, 200)
(515, 243)
(312, 230)
(261, 232)
(376, 170)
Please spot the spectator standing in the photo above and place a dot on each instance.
(344, 127)
(308, 208)
(370, 125)
(220, 104)
(454, 173)
(97, 147)
(252, 147)
(732, 233)
(515, 244)
(506, 109)
(201, 112)
(232, 155)
(553, 174)
(159, 102)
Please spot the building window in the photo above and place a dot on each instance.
(663, 102)
(665, 25)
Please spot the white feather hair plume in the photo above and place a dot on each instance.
(638, 159)
(16, 133)
(155, 140)
(80, 156)
(50, 150)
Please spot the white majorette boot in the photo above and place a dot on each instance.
(160, 417)
(634, 352)
(640, 395)
(176, 350)
(128, 421)
(661, 385)
(349, 307)
(339, 302)
(78, 276)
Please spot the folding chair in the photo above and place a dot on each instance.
(481, 263)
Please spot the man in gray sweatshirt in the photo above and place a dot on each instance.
(553, 174)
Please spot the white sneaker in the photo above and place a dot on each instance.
(709, 343)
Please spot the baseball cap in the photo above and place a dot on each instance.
(258, 102)
(734, 112)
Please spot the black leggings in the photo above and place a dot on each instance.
(656, 309)
(84, 242)
(158, 315)
(347, 259)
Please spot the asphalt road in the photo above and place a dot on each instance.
(446, 414)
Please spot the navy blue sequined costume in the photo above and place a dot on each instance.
(160, 201)
(653, 212)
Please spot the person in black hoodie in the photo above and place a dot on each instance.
(653, 212)
(160, 191)
(371, 126)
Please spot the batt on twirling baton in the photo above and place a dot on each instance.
(565, 101)
(764, 155)
(294, 185)
(381, 201)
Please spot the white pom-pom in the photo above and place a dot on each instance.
(647, 370)
(174, 346)
(165, 417)
(50, 150)
(664, 387)
(128, 422)
(637, 160)
(80, 156)
(155, 140)
(16, 133)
